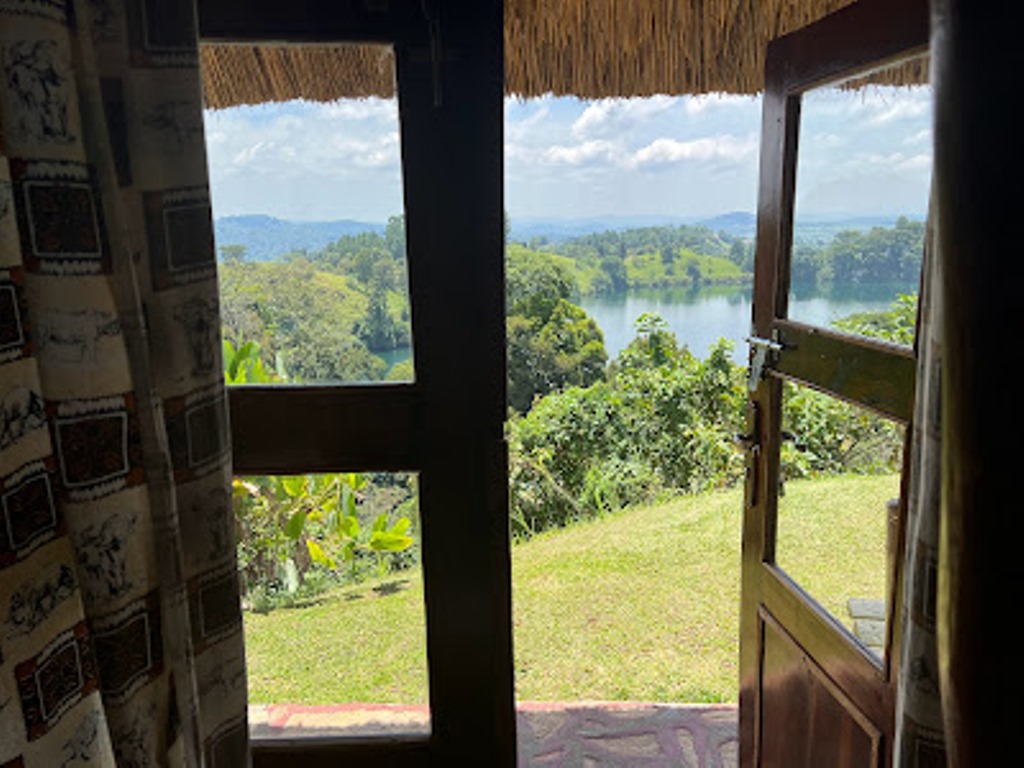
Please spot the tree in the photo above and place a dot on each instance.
(551, 343)
(232, 254)
(394, 237)
(547, 354)
(535, 281)
(301, 315)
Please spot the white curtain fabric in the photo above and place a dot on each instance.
(120, 625)
(919, 728)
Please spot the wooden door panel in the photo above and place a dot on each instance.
(807, 720)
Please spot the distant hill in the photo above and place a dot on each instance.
(265, 237)
(526, 228)
(737, 223)
(817, 229)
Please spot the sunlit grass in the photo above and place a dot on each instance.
(832, 538)
(642, 605)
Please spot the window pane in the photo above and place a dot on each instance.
(316, 291)
(863, 179)
(837, 508)
(333, 599)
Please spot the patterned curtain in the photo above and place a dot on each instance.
(919, 732)
(120, 625)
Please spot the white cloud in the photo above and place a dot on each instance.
(607, 117)
(518, 130)
(827, 140)
(587, 152)
(667, 151)
(924, 136)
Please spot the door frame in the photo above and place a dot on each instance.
(863, 36)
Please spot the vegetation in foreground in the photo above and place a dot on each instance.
(639, 605)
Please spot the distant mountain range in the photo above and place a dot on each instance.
(736, 223)
(266, 237)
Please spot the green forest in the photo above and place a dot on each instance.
(587, 435)
(328, 314)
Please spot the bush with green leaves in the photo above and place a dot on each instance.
(661, 423)
(664, 421)
(828, 437)
(300, 533)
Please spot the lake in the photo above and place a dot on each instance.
(701, 316)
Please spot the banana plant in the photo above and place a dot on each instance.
(244, 365)
(324, 513)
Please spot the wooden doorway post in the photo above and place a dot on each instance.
(977, 57)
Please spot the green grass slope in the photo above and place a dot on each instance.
(642, 605)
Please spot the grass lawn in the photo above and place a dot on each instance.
(642, 605)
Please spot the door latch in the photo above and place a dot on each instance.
(764, 353)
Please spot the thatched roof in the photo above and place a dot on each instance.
(586, 48)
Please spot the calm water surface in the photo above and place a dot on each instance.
(700, 317)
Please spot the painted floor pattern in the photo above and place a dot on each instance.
(551, 734)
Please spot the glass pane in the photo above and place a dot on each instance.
(311, 292)
(333, 603)
(837, 516)
(863, 179)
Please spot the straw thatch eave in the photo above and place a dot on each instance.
(585, 48)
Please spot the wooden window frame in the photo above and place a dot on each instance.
(448, 425)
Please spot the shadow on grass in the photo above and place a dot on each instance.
(391, 587)
(348, 594)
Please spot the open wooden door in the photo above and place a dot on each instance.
(812, 693)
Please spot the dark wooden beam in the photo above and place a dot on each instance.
(328, 752)
(306, 429)
(977, 58)
(862, 371)
(451, 111)
(883, 43)
(310, 21)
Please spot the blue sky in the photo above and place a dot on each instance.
(865, 152)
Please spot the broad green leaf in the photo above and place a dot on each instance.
(401, 526)
(228, 353)
(293, 528)
(294, 485)
(348, 526)
(348, 501)
(348, 551)
(318, 555)
(385, 541)
(381, 523)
